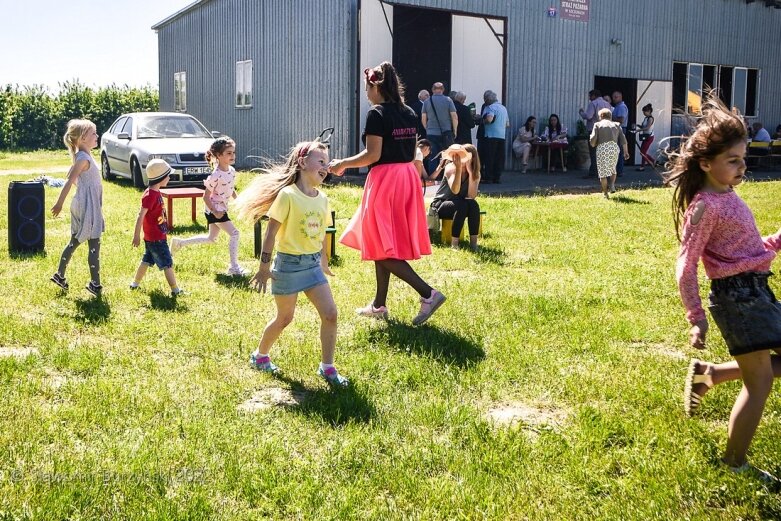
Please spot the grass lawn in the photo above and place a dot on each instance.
(138, 406)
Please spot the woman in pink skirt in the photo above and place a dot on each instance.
(389, 227)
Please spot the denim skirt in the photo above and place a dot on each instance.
(746, 312)
(294, 273)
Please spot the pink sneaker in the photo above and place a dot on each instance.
(428, 306)
(370, 311)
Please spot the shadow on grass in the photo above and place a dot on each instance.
(336, 261)
(428, 340)
(192, 227)
(234, 281)
(24, 255)
(334, 405)
(95, 310)
(627, 200)
(166, 302)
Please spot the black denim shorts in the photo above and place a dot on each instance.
(746, 312)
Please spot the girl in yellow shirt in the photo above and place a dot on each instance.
(297, 212)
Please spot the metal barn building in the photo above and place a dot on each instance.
(270, 73)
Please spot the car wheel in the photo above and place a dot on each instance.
(138, 177)
(105, 170)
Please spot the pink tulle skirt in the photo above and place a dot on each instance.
(390, 223)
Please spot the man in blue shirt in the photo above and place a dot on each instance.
(441, 121)
(620, 114)
(495, 122)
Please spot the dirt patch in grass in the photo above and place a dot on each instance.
(528, 417)
(271, 397)
(659, 349)
(17, 352)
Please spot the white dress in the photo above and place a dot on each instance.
(87, 205)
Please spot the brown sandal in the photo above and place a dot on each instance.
(692, 400)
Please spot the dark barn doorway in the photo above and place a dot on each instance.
(422, 48)
(627, 87)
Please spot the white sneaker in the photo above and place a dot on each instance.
(176, 245)
(238, 271)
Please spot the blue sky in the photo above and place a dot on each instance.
(98, 42)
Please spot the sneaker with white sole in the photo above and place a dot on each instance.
(61, 281)
(95, 289)
(370, 311)
(176, 245)
(238, 271)
(428, 306)
(178, 292)
(262, 363)
(332, 377)
(757, 473)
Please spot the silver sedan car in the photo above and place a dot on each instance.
(179, 139)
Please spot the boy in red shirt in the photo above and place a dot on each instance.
(155, 223)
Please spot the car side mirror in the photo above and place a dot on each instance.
(123, 135)
(216, 133)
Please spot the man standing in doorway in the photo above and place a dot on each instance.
(465, 120)
(441, 121)
(417, 106)
(591, 115)
(621, 115)
(495, 121)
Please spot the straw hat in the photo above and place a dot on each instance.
(157, 170)
(457, 150)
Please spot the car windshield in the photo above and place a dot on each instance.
(170, 127)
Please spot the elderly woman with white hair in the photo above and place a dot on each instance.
(606, 137)
(495, 123)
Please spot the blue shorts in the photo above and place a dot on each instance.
(294, 273)
(746, 312)
(157, 253)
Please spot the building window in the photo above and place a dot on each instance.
(737, 87)
(180, 91)
(244, 83)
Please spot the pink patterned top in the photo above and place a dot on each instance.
(221, 184)
(727, 239)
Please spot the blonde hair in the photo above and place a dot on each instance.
(77, 129)
(255, 200)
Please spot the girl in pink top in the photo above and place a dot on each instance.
(220, 189)
(719, 228)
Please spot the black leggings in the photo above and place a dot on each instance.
(460, 210)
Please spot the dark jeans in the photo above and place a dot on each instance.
(460, 210)
(620, 164)
(494, 158)
(437, 145)
(592, 154)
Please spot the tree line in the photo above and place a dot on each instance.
(32, 118)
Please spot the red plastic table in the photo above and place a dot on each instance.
(555, 145)
(180, 193)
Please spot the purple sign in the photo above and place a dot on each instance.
(551, 12)
(575, 10)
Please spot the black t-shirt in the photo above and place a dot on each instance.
(397, 126)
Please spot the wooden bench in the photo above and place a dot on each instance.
(330, 233)
(757, 153)
(446, 229)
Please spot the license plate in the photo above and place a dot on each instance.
(197, 170)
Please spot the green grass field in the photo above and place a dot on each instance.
(138, 406)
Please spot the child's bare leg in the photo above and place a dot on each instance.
(211, 237)
(286, 307)
(323, 301)
(746, 414)
(728, 372)
(140, 272)
(170, 277)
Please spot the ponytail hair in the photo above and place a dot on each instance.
(217, 148)
(77, 129)
(385, 78)
(255, 200)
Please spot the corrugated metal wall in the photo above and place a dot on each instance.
(304, 60)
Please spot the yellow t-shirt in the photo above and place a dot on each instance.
(303, 221)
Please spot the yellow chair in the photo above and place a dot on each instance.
(758, 151)
(446, 229)
(775, 150)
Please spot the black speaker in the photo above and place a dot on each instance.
(26, 217)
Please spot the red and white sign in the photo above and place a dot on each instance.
(575, 10)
